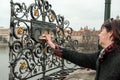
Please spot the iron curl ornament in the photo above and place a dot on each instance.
(28, 56)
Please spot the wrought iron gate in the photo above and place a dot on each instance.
(30, 57)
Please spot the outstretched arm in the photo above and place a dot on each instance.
(81, 59)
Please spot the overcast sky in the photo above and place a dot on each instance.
(80, 13)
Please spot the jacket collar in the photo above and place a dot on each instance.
(110, 48)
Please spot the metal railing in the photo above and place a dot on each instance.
(30, 57)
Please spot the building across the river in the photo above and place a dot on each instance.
(4, 37)
(4, 34)
(87, 39)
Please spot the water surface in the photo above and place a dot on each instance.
(4, 63)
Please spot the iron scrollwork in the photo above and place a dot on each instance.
(29, 56)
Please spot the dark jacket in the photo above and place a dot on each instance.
(107, 68)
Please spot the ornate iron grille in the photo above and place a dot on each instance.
(30, 57)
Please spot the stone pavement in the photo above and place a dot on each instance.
(82, 74)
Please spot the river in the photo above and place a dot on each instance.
(4, 63)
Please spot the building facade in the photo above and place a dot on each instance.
(4, 35)
(87, 39)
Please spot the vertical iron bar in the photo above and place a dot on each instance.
(11, 77)
(43, 67)
(43, 14)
